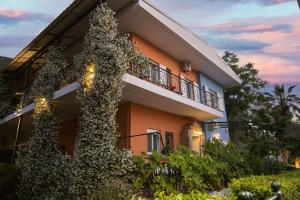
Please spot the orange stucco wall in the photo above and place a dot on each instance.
(132, 119)
(143, 118)
(123, 117)
(161, 57)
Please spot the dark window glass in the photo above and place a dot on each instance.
(169, 141)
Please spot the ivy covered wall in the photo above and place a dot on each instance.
(45, 170)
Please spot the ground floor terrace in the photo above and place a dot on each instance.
(142, 129)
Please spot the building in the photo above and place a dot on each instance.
(165, 109)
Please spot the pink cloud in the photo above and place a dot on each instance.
(277, 62)
(12, 13)
(8, 15)
(273, 69)
(239, 27)
(281, 42)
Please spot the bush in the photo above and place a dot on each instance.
(115, 189)
(265, 166)
(232, 157)
(182, 171)
(260, 186)
(192, 195)
(8, 181)
(196, 195)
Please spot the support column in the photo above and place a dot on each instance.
(17, 138)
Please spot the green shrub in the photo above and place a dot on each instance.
(194, 195)
(190, 172)
(260, 186)
(232, 157)
(8, 181)
(265, 166)
(115, 189)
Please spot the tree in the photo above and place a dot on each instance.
(284, 105)
(99, 164)
(6, 93)
(288, 101)
(240, 99)
(45, 170)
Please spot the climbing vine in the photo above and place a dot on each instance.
(99, 164)
(45, 170)
(6, 93)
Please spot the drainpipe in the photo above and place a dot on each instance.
(20, 119)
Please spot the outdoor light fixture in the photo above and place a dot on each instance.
(89, 76)
(197, 133)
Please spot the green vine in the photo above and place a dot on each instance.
(106, 57)
(6, 94)
(45, 171)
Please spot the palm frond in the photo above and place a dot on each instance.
(290, 89)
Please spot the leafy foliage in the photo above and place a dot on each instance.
(284, 104)
(231, 155)
(8, 181)
(50, 76)
(260, 186)
(192, 195)
(239, 99)
(179, 196)
(4, 61)
(45, 171)
(6, 93)
(104, 60)
(182, 171)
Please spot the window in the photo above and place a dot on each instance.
(153, 140)
(169, 141)
(154, 69)
(190, 89)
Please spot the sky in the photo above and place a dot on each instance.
(263, 32)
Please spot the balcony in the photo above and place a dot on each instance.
(153, 87)
(160, 89)
(179, 85)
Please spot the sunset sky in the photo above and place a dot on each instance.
(264, 32)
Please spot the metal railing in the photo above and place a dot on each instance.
(277, 194)
(176, 84)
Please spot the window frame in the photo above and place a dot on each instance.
(149, 132)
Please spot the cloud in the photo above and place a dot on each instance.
(273, 69)
(239, 27)
(237, 44)
(8, 16)
(271, 2)
(216, 4)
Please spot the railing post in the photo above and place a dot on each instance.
(277, 193)
(245, 196)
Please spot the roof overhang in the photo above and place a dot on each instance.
(59, 30)
(171, 37)
(136, 16)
